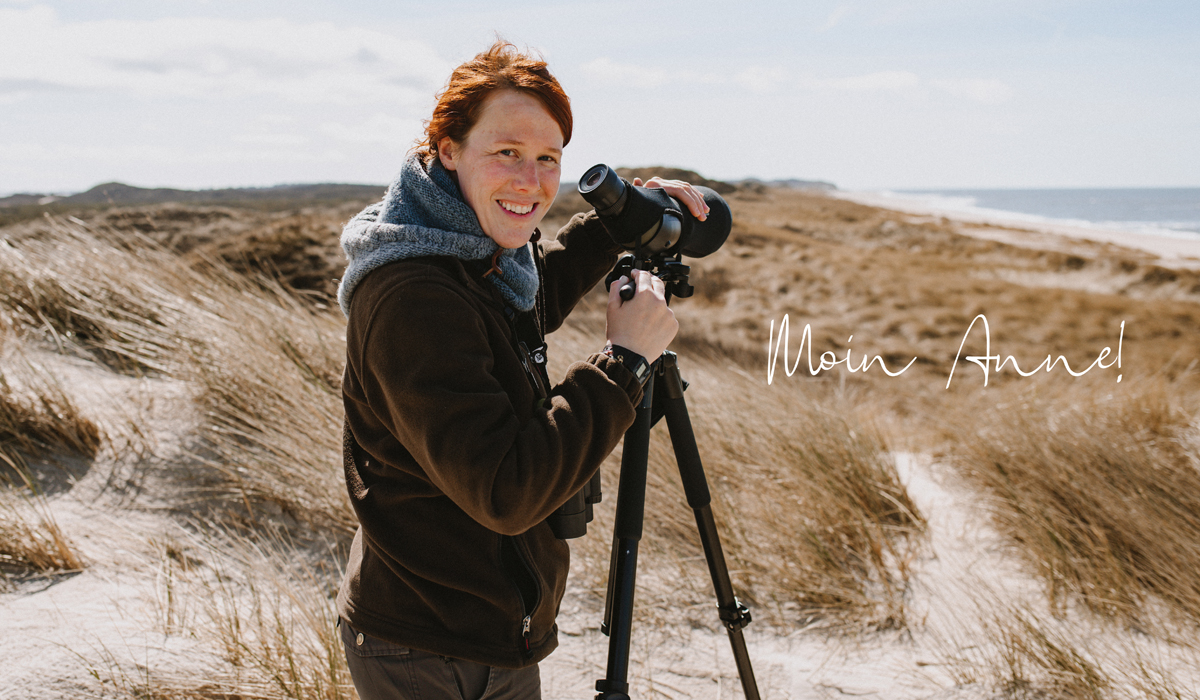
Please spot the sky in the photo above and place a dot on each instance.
(867, 94)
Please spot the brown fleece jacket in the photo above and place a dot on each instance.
(453, 469)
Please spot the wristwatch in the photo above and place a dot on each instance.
(630, 360)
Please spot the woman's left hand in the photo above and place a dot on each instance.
(680, 190)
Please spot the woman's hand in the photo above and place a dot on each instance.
(644, 324)
(680, 190)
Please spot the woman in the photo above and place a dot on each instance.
(457, 447)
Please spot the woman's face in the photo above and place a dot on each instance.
(508, 166)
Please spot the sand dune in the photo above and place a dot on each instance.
(863, 515)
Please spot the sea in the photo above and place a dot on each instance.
(1172, 212)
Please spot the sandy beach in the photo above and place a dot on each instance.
(1181, 251)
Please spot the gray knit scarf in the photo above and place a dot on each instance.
(424, 213)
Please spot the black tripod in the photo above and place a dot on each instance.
(631, 502)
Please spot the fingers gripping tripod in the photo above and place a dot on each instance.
(663, 394)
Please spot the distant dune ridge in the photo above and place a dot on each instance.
(119, 194)
(173, 522)
(122, 194)
(22, 206)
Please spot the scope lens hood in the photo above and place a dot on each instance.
(634, 215)
(701, 238)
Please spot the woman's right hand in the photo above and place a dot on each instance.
(644, 324)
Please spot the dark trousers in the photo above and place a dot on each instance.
(385, 671)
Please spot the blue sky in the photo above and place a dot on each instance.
(867, 94)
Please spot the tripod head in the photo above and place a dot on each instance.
(669, 268)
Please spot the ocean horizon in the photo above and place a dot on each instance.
(1166, 211)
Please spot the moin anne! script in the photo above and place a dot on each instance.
(987, 362)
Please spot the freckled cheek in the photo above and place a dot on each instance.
(504, 171)
(550, 182)
(494, 178)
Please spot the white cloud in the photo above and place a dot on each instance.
(983, 90)
(273, 120)
(883, 81)
(629, 74)
(213, 58)
(271, 139)
(836, 16)
(760, 79)
(125, 152)
(379, 129)
(988, 92)
(639, 76)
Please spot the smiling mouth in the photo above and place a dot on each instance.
(518, 209)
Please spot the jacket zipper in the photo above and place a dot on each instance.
(527, 621)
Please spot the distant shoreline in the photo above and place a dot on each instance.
(1173, 248)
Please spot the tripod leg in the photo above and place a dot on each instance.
(622, 572)
(695, 486)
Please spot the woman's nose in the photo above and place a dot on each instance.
(526, 177)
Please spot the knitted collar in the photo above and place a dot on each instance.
(424, 213)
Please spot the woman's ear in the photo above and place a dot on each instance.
(447, 153)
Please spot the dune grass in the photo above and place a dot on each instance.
(36, 418)
(1020, 651)
(1101, 490)
(265, 362)
(822, 524)
(817, 525)
(268, 369)
(273, 613)
(1032, 658)
(36, 415)
(30, 538)
(258, 616)
(109, 298)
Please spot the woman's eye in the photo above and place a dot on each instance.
(508, 152)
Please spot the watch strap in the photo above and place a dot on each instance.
(630, 360)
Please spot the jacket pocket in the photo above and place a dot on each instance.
(520, 571)
(352, 456)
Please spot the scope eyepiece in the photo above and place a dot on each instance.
(601, 187)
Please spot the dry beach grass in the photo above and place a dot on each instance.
(36, 417)
(1091, 484)
(264, 364)
(1102, 492)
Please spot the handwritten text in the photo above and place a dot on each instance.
(985, 361)
(829, 360)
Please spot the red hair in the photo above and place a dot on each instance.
(501, 67)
